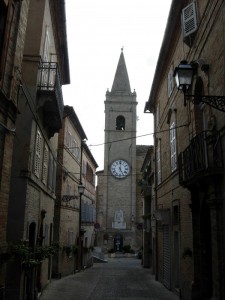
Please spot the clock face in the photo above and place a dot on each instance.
(120, 168)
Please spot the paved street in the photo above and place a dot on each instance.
(120, 278)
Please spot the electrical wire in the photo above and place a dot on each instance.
(23, 84)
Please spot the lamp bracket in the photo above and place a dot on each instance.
(218, 102)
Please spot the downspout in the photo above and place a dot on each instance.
(156, 225)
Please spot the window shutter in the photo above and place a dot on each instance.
(50, 171)
(46, 46)
(74, 146)
(173, 147)
(70, 141)
(37, 158)
(45, 165)
(54, 175)
(70, 238)
(157, 115)
(68, 189)
(67, 138)
(189, 20)
(170, 82)
(158, 158)
(94, 214)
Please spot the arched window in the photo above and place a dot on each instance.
(120, 123)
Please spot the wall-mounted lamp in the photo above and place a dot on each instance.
(184, 76)
(81, 189)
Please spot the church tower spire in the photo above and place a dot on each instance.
(121, 81)
(118, 202)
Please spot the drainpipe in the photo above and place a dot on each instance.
(156, 225)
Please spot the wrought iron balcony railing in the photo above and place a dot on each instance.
(202, 158)
(50, 95)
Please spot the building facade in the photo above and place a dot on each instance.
(32, 196)
(141, 152)
(147, 191)
(88, 206)
(13, 16)
(67, 205)
(189, 152)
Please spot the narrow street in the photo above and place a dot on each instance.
(120, 278)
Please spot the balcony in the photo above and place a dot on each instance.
(50, 97)
(201, 159)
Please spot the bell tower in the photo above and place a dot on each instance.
(119, 188)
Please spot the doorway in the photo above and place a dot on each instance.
(118, 243)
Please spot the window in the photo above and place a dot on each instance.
(46, 46)
(52, 173)
(70, 238)
(84, 168)
(6, 17)
(158, 161)
(37, 155)
(170, 82)
(176, 217)
(72, 144)
(3, 15)
(68, 139)
(45, 165)
(120, 123)
(157, 116)
(74, 147)
(89, 174)
(173, 147)
(68, 189)
(189, 23)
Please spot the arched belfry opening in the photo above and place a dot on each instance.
(120, 123)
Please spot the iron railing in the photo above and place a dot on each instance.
(50, 83)
(203, 157)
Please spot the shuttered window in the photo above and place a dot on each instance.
(6, 17)
(68, 139)
(170, 82)
(166, 256)
(45, 165)
(46, 46)
(54, 175)
(189, 20)
(157, 116)
(68, 189)
(173, 147)
(50, 171)
(158, 158)
(37, 155)
(70, 237)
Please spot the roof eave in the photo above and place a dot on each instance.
(171, 28)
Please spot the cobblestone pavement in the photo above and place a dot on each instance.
(120, 278)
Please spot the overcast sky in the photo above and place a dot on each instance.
(96, 32)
